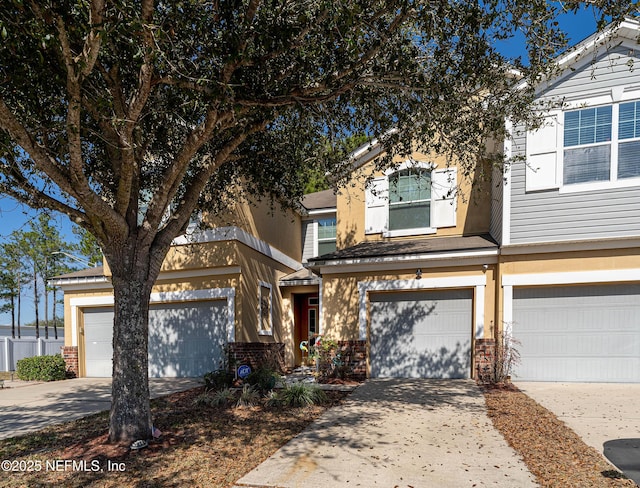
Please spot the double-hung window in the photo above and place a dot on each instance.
(587, 142)
(602, 143)
(326, 236)
(629, 140)
(410, 199)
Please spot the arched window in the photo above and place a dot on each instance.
(410, 199)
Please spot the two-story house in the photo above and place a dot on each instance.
(419, 269)
(568, 219)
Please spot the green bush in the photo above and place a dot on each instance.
(217, 380)
(263, 379)
(301, 395)
(42, 368)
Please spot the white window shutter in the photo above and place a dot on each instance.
(541, 170)
(444, 183)
(377, 206)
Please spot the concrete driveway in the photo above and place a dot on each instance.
(30, 408)
(605, 415)
(433, 433)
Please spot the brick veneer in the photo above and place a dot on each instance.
(484, 358)
(70, 355)
(353, 356)
(256, 354)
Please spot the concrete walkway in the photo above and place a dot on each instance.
(597, 412)
(420, 433)
(605, 415)
(30, 407)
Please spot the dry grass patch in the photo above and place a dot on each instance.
(553, 452)
(201, 446)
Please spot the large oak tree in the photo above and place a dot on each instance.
(128, 116)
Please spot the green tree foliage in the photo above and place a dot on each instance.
(130, 116)
(12, 276)
(87, 246)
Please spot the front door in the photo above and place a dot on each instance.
(307, 323)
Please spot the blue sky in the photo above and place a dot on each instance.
(16, 216)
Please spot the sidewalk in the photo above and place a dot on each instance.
(28, 406)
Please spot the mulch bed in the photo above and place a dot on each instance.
(200, 446)
(553, 452)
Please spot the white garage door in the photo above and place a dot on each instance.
(578, 333)
(185, 339)
(421, 334)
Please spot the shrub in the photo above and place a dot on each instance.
(263, 379)
(248, 397)
(504, 359)
(218, 380)
(219, 398)
(42, 368)
(301, 395)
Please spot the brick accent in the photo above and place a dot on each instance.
(484, 358)
(353, 356)
(70, 356)
(256, 354)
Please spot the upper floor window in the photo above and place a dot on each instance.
(579, 148)
(410, 199)
(265, 309)
(629, 137)
(326, 236)
(413, 199)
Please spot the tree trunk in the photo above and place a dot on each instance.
(36, 301)
(55, 323)
(13, 317)
(19, 306)
(130, 417)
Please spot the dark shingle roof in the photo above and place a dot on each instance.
(374, 249)
(320, 199)
(95, 272)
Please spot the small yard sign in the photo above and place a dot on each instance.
(244, 371)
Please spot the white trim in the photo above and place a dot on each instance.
(261, 331)
(478, 300)
(587, 244)
(234, 233)
(600, 185)
(507, 304)
(322, 211)
(469, 281)
(409, 259)
(506, 185)
(411, 232)
(320, 309)
(162, 297)
(572, 277)
(410, 164)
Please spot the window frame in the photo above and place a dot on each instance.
(262, 331)
(324, 240)
(408, 166)
(614, 181)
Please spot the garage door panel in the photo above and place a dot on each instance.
(185, 339)
(578, 333)
(98, 329)
(421, 334)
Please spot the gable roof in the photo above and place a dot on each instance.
(320, 200)
(579, 53)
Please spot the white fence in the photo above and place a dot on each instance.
(12, 350)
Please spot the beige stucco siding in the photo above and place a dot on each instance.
(472, 214)
(274, 226)
(341, 299)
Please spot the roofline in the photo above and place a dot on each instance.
(586, 45)
(346, 265)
